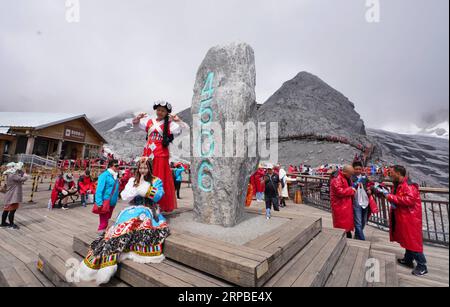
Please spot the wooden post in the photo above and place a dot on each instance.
(52, 177)
(38, 177)
(31, 201)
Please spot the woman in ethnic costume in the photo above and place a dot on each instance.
(161, 131)
(138, 233)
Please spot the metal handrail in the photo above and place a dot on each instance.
(33, 160)
(435, 212)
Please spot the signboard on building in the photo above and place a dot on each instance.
(74, 134)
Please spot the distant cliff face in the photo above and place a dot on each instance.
(306, 105)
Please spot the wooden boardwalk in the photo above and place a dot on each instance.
(438, 257)
(49, 233)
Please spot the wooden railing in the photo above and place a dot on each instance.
(435, 207)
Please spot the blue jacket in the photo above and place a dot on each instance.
(105, 188)
(179, 173)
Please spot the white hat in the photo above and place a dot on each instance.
(11, 165)
(269, 166)
(12, 168)
(19, 166)
(68, 177)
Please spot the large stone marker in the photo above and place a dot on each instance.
(224, 95)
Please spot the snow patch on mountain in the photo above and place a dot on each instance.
(126, 123)
(439, 130)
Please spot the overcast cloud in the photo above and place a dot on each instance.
(123, 55)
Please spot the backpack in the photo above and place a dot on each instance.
(283, 184)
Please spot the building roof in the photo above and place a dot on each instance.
(37, 121)
(4, 130)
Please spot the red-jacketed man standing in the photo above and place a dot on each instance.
(406, 219)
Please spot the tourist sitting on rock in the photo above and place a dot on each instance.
(138, 233)
(64, 188)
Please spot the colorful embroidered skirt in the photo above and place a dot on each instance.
(137, 235)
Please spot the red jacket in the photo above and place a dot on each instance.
(124, 180)
(253, 183)
(85, 184)
(342, 193)
(59, 186)
(373, 206)
(406, 220)
(259, 181)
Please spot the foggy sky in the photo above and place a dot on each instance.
(123, 55)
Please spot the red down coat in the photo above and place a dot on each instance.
(85, 184)
(342, 193)
(406, 220)
(260, 185)
(60, 185)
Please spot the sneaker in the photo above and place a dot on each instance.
(267, 217)
(65, 207)
(14, 226)
(420, 271)
(4, 225)
(405, 263)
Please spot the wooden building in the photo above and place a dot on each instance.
(59, 136)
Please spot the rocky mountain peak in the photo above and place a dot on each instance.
(309, 105)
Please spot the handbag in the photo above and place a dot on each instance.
(3, 189)
(105, 208)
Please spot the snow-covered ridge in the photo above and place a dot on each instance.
(439, 130)
(126, 123)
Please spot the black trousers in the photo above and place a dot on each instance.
(8, 215)
(178, 188)
(272, 201)
(420, 258)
